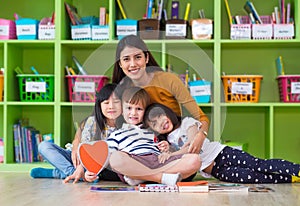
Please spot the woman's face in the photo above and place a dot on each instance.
(133, 113)
(133, 62)
(112, 107)
(161, 124)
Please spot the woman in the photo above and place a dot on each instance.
(135, 65)
(98, 126)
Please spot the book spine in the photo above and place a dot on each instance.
(149, 9)
(288, 13)
(175, 10)
(102, 14)
(16, 143)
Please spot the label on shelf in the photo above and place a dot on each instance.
(84, 87)
(242, 87)
(100, 32)
(29, 29)
(47, 32)
(123, 30)
(35, 87)
(283, 31)
(4, 29)
(200, 90)
(295, 87)
(176, 30)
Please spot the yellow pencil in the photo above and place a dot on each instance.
(121, 9)
(228, 12)
(187, 11)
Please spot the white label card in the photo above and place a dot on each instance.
(84, 87)
(295, 86)
(4, 30)
(200, 29)
(29, 29)
(123, 30)
(175, 29)
(241, 87)
(78, 33)
(35, 87)
(100, 33)
(200, 90)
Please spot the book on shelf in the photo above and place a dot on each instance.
(279, 66)
(73, 15)
(112, 189)
(249, 8)
(157, 188)
(228, 187)
(196, 186)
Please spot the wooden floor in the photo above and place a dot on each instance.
(20, 189)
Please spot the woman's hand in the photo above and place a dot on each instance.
(90, 176)
(196, 143)
(163, 146)
(76, 176)
(164, 157)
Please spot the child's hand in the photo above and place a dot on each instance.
(76, 176)
(90, 176)
(163, 157)
(163, 146)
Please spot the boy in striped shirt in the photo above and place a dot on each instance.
(134, 149)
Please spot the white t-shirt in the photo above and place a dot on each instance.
(209, 150)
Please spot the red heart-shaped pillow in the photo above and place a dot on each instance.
(94, 155)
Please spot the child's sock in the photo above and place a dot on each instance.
(170, 179)
(41, 173)
(132, 182)
(295, 179)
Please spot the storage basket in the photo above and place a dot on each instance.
(7, 29)
(83, 88)
(27, 29)
(200, 91)
(1, 87)
(241, 31)
(289, 88)
(241, 88)
(84, 31)
(264, 30)
(36, 88)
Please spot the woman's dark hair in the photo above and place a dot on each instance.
(156, 110)
(136, 42)
(102, 95)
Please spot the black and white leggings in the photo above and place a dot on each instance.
(233, 165)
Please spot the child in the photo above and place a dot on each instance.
(97, 126)
(134, 148)
(222, 162)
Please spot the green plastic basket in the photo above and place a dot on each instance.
(36, 88)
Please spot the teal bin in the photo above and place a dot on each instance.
(200, 90)
(27, 29)
(126, 27)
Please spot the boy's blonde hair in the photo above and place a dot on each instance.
(135, 95)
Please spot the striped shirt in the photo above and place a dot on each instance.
(133, 140)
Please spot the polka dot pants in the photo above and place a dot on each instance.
(233, 165)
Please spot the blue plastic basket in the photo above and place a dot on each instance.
(84, 31)
(126, 27)
(27, 28)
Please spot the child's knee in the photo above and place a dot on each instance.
(43, 146)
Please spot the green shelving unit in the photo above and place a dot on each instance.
(269, 127)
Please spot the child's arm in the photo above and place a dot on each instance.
(193, 144)
(75, 146)
(197, 137)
